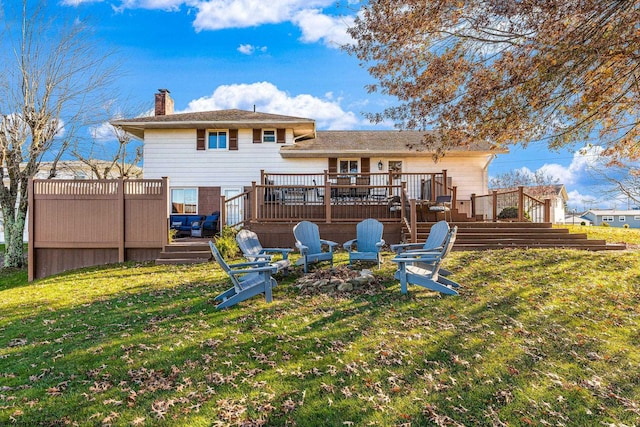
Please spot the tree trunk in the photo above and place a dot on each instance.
(13, 235)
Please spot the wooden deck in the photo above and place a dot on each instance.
(472, 236)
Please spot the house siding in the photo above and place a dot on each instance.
(173, 153)
(557, 211)
(467, 173)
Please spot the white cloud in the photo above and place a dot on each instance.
(267, 98)
(331, 30)
(582, 160)
(168, 5)
(103, 132)
(222, 14)
(219, 14)
(78, 2)
(582, 202)
(585, 191)
(248, 49)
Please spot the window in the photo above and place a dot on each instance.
(184, 200)
(622, 218)
(607, 218)
(268, 135)
(217, 140)
(636, 218)
(348, 166)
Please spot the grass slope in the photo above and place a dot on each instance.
(537, 337)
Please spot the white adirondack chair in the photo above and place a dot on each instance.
(252, 250)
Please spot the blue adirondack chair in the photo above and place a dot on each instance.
(252, 250)
(423, 268)
(249, 279)
(310, 245)
(435, 242)
(368, 242)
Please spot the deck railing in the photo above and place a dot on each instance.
(524, 207)
(334, 197)
(421, 185)
(234, 209)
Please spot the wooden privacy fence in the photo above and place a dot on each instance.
(78, 223)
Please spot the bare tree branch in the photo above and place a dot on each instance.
(53, 76)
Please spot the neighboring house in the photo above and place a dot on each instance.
(557, 194)
(209, 154)
(614, 217)
(74, 169)
(576, 220)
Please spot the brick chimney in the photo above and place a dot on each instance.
(164, 103)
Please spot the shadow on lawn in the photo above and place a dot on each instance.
(385, 358)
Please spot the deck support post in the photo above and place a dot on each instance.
(413, 223)
(521, 203)
(327, 199)
(254, 205)
(547, 210)
(494, 207)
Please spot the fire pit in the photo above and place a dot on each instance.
(338, 281)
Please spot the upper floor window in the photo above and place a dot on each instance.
(348, 166)
(607, 218)
(217, 140)
(268, 135)
(622, 218)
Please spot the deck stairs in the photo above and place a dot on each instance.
(502, 235)
(185, 251)
(471, 236)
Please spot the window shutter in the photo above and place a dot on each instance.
(200, 139)
(233, 139)
(257, 136)
(365, 165)
(280, 139)
(333, 165)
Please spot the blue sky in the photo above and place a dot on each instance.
(282, 56)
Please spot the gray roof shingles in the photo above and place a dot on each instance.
(356, 142)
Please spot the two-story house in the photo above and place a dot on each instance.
(212, 153)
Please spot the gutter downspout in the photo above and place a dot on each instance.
(485, 175)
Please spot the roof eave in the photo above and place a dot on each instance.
(290, 152)
(138, 128)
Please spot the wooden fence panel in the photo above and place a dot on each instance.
(75, 224)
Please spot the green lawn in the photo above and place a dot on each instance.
(610, 234)
(537, 337)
